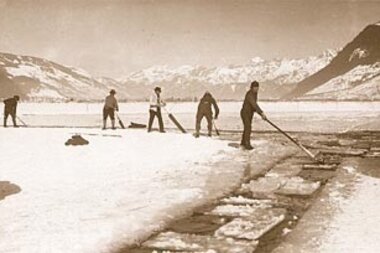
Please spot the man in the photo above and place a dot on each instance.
(250, 106)
(109, 108)
(10, 107)
(155, 109)
(204, 110)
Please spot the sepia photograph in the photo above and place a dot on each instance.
(190, 126)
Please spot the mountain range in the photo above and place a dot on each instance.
(277, 76)
(353, 73)
(39, 79)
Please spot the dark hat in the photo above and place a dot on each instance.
(112, 91)
(255, 84)
(207, 94)
(157, 89)
(16, 97)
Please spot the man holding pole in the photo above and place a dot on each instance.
(155, 109)
(10, 108)
(110, 106)
(204, 110)
(250, 106)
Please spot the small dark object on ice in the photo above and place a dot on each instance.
(7, 188)
(234, 145)
(76, 140)
(136, 125)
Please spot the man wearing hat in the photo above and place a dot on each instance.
(155, 109)
(250, 106)
(10, 107)
(109, 108)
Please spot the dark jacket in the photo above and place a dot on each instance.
(250, 104)
(205, 105)
(111, 103)
(10, 105)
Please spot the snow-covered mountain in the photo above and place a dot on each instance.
(352, 74)
(360, 83)
(277, 76)
(39, 79)
(279, 71)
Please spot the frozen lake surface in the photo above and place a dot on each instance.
(190, 107)
(291, 116)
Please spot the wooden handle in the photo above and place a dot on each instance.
(293, 140)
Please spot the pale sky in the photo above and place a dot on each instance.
(116, 37)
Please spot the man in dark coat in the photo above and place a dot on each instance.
(155, 105)
(10, 108)
(110, 105)
(204, 110)
(250, 106)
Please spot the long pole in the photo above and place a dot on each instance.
(120, 121)
(175, 121)
(22, 122)
(308, 152)
(216, 129)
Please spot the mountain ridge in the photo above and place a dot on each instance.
(230, 82)
(363, 50)
(38, 79)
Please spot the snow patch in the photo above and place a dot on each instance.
(81, 72)
(349, 169)
(358, 53)
(362, 82)
(356, 228)
(257, 60)
(45, 93)
(23, 70)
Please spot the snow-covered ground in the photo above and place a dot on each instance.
(114, 191)
(345, 217)
(356, 228)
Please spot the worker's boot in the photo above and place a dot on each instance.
(14, 121)
(104, 124)
(113, 124)
(248, 146)
(196, 134)
(209, 133)
(5, 123)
